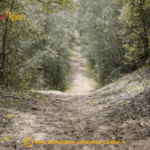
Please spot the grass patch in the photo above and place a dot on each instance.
(10, 116)
(40, 96)
(95, 102)
(134, 88)
(93, 82)
(11, 101)
(144, 68)
(119, 90)
(5, 138)
(80, 55)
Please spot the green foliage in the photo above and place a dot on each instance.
(135, 21)
(96, 102)
(40, 96)
(102, 45)
(115, 36)
(5, 138)
(144, 68)
(10, 116)
(31, 54)
(144, 83)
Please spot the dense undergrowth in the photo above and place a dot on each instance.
(115, 37)
(35, 52)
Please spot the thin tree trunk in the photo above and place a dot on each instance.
(145, 40)
(4, 46)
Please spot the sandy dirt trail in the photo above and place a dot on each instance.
(79, 114)
(65, 117)
(81, 81)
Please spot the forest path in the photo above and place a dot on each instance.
(65, 116)
(80, 78)
(78, 114)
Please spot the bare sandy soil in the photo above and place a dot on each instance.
(81, 114)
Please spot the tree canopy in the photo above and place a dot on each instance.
(114, 36)
(30, 47)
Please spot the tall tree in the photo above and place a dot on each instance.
(102, 44)
(17, 38)
(135, 20)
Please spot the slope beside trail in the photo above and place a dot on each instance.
(78, 114)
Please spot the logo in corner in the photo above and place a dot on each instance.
(28, 142)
